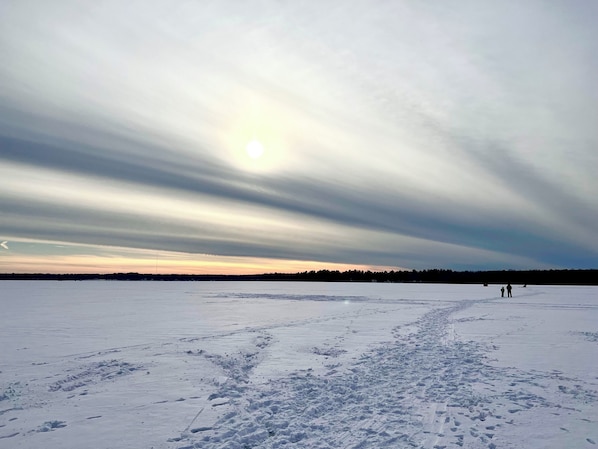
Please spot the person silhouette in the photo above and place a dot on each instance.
(502, 292)
(509, 288)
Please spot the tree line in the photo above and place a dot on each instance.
(555, 277)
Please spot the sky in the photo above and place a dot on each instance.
(393, 135)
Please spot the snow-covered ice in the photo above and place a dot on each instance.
(210, 365)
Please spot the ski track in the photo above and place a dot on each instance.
(423, 390)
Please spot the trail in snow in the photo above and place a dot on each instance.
(426, 389)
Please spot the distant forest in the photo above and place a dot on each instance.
(555, 277)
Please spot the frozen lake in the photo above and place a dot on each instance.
(307, 365)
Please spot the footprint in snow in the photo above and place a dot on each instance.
(9, 436)
(49, 426)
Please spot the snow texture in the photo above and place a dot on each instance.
(281, 365)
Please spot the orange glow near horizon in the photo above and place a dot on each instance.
(148, 262)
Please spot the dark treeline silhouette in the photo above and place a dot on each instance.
(556, 277)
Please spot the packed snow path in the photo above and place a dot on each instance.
(423, 390)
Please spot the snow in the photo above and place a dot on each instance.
(308, 365)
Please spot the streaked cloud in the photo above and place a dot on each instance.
(402, 134)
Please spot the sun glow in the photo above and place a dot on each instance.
(257, 137)
(254, 149)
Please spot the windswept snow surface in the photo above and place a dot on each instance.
(296, 365)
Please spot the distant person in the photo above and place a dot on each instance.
(509, 288)
(502, 292)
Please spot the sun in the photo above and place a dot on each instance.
(254, 149)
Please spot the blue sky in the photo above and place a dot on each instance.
(407, 134)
